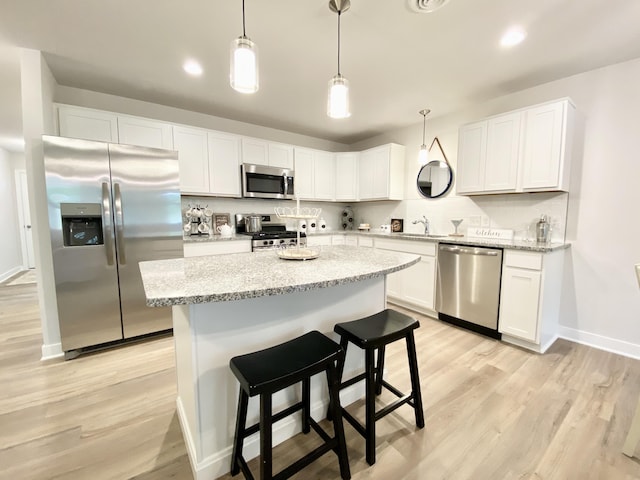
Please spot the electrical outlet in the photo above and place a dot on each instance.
(474, 221)
(486, 222)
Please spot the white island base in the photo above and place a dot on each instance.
(208, 335)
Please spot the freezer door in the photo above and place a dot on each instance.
(148, 225)
(85, 271)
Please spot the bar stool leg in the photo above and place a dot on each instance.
(338, 427)
(344, 343)
(415, 380)
(266, 455)
(370, 410)
(379, 370)
(241, 419)
(306, 405)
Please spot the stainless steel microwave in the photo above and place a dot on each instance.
(261, 181)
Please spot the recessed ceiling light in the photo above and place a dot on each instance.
(513, 36)
(192, 68)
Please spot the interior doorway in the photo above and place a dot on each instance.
(24, 217)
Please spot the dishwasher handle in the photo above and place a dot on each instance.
(469, 251)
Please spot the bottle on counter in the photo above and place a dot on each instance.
(542, 229)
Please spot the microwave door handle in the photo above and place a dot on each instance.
(106, 220)
(117, 200)
(286, 184)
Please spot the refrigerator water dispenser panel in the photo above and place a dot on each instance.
(81, 224)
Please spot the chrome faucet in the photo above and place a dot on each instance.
(424, 221)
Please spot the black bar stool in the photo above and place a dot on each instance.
(267, 371)
(370, 334)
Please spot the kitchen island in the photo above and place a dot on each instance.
(233, 304)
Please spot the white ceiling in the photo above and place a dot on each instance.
(397, 61)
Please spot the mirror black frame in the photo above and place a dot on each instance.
(435, 164)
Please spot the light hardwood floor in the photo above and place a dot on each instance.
(492, 411)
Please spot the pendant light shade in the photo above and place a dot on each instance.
(338, 103)
(244, 62)
(423, 155)
(338, 98)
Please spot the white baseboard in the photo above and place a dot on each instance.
(10, 273)
(218, 464)
(600, 342)
(52, 350)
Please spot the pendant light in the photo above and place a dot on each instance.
(338, 100)
(244, 62)
(423, 156)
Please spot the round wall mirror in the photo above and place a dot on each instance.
(435, 179)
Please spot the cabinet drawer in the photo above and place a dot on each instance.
(407, 246)
(529, 260)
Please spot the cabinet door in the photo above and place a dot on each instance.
(324, 176)
(519, 303)
(193, 159)
(380, 160)
(503, 153)
(351, 240)
(418, 284)
(224, 164)
(544, 129)
(394, 284)
(216, 247)
(338, 240)
(144, 133)
(472, 151)
(280, 155)
(346, 176)
(304, 174)
(87, 124)
(366, 174)
(255, 151)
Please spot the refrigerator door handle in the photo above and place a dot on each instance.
(117, 197)
(106, 218)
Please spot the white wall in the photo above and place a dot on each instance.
(601, 301)
(10, 252)
(38, 86)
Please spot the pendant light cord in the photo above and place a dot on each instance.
(244, 32)
(339, 12)
(424, 126)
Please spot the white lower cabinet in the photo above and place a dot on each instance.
(413, 287)
(216, 247)
(530, 298)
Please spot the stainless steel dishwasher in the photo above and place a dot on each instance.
(468, 287)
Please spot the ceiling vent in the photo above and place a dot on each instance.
(425, 6)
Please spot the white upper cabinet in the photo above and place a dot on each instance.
(262, 152)
(314, 174)
(347, 176)
(547, 146)
(381, 173)
(472, 155)
(503, 153)
(193, 156)
(224, 164)
(87, 124)
(144, 133)
(521, 151)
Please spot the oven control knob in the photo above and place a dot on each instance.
(270, 242)
(281, 241)
(265, 242)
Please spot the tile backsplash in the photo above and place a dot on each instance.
(517, 212)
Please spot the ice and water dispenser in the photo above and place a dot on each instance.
(81, 224)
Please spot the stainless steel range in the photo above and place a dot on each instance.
(272, 234)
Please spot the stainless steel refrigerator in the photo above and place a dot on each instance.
(110, 207)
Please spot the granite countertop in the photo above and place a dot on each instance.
(214, 238)
(416, 237)
(220, 278)
(477, 242)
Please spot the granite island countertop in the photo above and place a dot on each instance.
(220, 278)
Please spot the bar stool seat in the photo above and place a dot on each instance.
(373, 334)
(267, 371)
